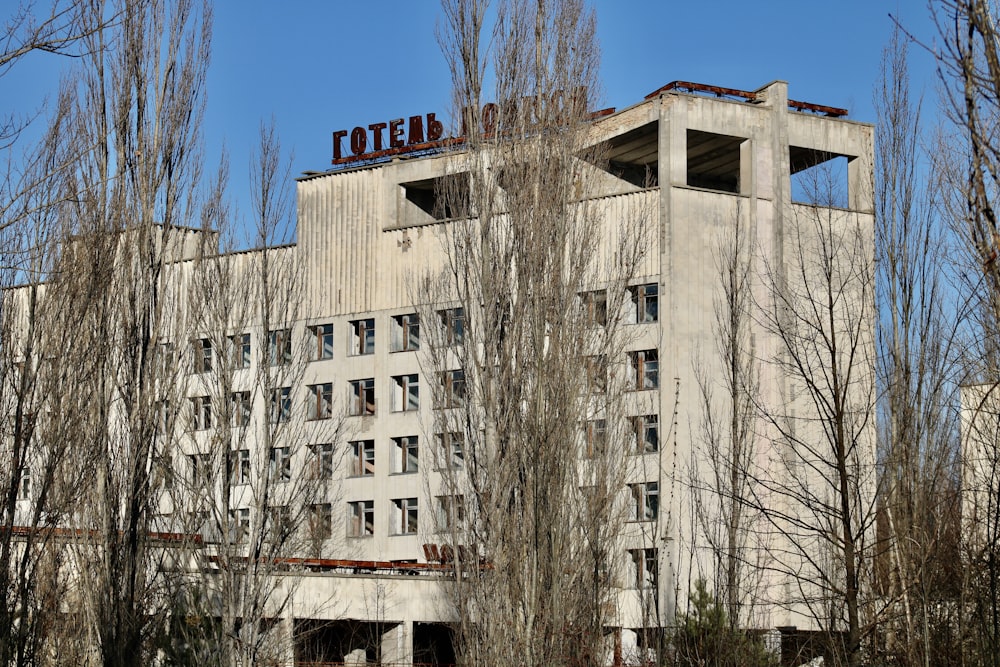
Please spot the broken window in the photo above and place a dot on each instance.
(320, 521)
(321, 466)
(280, 464)
(644, 369)
(450, 512)
(406, 516)
(645, 501)
(200, 466)
(320, 401)
(452, 389)
(450, 449)
(645, 304)
(406, 454)
(280, 346)
(362, 458)
(362, 518)
(595, 433)
(596, 368)
(595, 308)
(647, 433)
(239, 524)
(406, 393)
(202, 412)
(363, 337)
(201, 355)
(321, 342)
(453, 323)
(645, 567)
(239, 351)
(239, 467)
(405, 332)
(363, 397)
(281, 405)
(240, 408)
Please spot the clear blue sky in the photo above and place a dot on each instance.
(320, 66)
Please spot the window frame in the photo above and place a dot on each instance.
(321, 347)
(643, 425)
(279, 464)
(362, 458)
(201, 416)
(281, 405)
(361, 518)
(202, 355)
(320, 405)
(240, 351)
(645, 303)
(362, 337)
(279, 347)
(406, 325)
(453, 325)
(321, 466)
(404, 446)
(594, 304)
(406, 392)
(408, 516)
(320, 521)
(645, 369)
(363, 402)
(453, 388)
(645, 501)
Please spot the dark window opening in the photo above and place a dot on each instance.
(443, 198)
(713, 161)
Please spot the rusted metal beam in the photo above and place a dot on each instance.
(749, 96)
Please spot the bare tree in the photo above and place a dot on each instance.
(526, 341)
(917, 370)
(821, 493)
(724, 506)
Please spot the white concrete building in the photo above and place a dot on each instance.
(694, 159)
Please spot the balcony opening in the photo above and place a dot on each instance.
(713, 161)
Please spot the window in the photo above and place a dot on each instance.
(320, 521)
(450, 512)
(239, 467)
(363, 397)
(645, 305)
(596, 368)
(595, 434)
(280, 526)
(280, 464)
(201, 355)
(645, 501)
(647, 433)
(450, 449)
(165, 417)
(321, 466)
(200, 466)
(362, 458)
(406, 393)
(645, 566)
(452, 389)
(281, 405)
(239, 524)
(321, 343)
(644, 367)
(240, 406)
(362, 518)
(595, 308)
(280, 346)
(163, 472)
(405, 519)
(202, 413)
(166, 358)
(362, 337)
(239, 351)
(24, 487)
(406, 332)
(406, 454)
(453, 323)
(320, 401)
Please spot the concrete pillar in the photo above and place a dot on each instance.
(397, 644)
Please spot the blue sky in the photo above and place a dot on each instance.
(316, 67)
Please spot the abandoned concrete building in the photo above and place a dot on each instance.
(694, 158)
